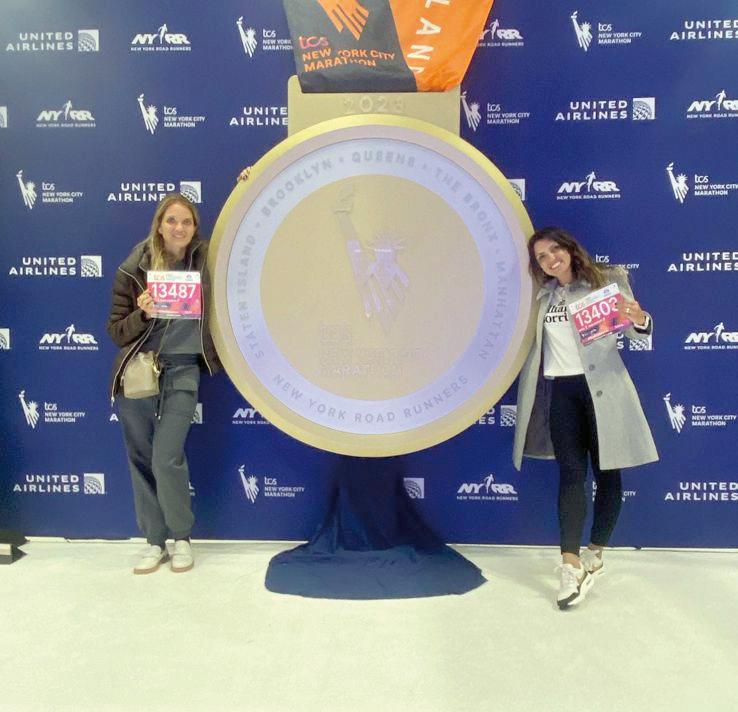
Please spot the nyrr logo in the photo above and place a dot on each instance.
(588, 189)
(248, 416)
(3, 117)
(640, 108)
(496, 36)
(65, 117)
(706, 30)
(716, 340)
(172, 116)
(160, 41)
(68, 340)
(699, 416)
(487, 490)
(52, 414)
(4, 339)
(518, 185)
(471, 112)
(704, 492)
(55, 41)
(50, 195)
(269, 40)
(260, 116)
(718, 108)
(607, 34)
(415, 487)
(250, 484)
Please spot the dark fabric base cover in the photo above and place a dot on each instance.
(372, 544)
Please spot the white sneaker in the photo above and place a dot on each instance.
(151, 558)
(592, 562)
(573, 585)
(182, 558)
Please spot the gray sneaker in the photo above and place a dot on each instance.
(150, 560)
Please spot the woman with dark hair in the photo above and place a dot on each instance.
(155, 427)
(577, 402)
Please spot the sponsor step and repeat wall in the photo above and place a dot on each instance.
(614, 119)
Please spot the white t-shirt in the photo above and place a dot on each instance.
(560, 355)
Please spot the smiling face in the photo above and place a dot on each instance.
(553, 259)
(177, 227)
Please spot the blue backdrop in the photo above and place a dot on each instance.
(620, 123)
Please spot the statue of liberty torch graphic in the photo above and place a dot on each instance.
(678, 184)
(248, 38)
(28, 190)
(149, 115)
(676, 413)
(379, 278)
(584, 31)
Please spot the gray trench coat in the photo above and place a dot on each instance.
(623, 434)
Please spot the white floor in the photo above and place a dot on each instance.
(80, 632)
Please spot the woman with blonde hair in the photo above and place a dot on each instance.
(577, 403)
(155, 427)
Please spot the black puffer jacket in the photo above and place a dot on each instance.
(127, 324)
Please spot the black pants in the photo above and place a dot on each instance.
(574, 436)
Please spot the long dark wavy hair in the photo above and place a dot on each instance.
(582, 264)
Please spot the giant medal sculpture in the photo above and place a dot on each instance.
(370, 285)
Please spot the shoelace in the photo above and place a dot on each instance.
(568, 573)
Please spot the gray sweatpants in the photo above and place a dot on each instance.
(156, 457)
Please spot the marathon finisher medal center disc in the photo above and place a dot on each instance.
(370, 285)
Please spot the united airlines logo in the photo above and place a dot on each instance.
(56, 41)
(591, 188)
(250, 484)
(91, 266)
(700, 30)
(4, 339)
(163, 40)
(415, 487)
(496, 36)
(65, 117)
(518, 185)
(639, 108)
(192, 190)
(88, 40)
(27, 189)
(380, 280)
(248, 38)
(3, 117)
(30, 410)
(583, 31)
(471, 112)
(644, 108)
(153, 192)
(93, 483)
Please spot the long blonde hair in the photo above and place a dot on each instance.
(160, 258)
